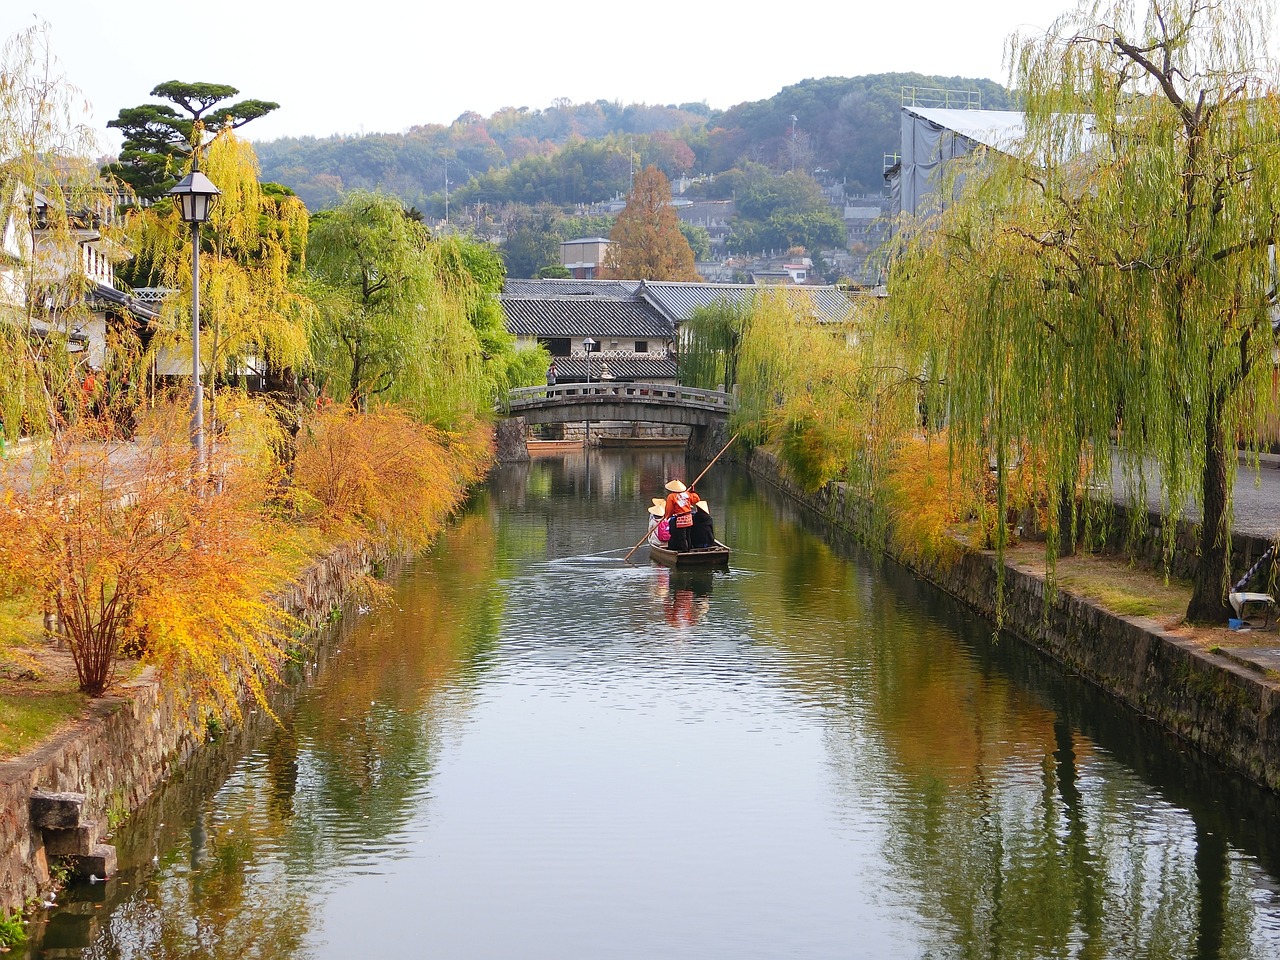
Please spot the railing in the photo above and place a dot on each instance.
(654, 393)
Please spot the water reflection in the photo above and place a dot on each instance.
(540, 750)
(685, 595)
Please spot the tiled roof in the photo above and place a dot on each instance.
(620, 289)
(621, 367)
(584, 317)
(102, 292)
(677, 300)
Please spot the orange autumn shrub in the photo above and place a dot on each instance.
(133, 549)
(394, 478)
(928, 501)
(931, 499)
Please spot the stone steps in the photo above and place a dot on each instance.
(59, 818)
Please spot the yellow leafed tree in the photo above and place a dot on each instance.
(135, 558)
(254, 315)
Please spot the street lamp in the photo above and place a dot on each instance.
(587, 344)
(195, 194)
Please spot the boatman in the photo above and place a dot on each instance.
(678, 512)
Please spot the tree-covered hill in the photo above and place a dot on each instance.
(844, 126)
(582, 153)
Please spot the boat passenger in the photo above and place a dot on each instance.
(678, 511)
(658, 535)
(703, 533)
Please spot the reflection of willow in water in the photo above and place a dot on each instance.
(1017, 836)
(1015, 867)
(213, 906)
(338, 776)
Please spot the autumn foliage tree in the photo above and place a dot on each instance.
(132, 555)
(253, 305)
(383, 475)
(646, 242)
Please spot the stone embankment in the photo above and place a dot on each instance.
(1224, 701)
(129, 743)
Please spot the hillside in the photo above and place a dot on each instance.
(838, 128)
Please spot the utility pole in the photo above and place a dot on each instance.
(446, 191)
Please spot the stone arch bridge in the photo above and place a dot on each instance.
(706, 412)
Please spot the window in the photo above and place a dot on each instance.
(642, 346)
(556, 346)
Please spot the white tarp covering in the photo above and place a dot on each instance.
(931, 137)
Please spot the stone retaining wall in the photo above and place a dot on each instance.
(131, 742)
(1225, 706)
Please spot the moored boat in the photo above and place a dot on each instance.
(716, 556)
(538, 447)
(642, 443)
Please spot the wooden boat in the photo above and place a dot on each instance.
(536, 447)
(643, 443)
(717, 556)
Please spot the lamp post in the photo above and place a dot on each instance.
(587, 344)
(195, 194)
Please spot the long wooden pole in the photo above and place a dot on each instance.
(636, 547)
(691, 486)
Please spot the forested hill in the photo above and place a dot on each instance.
(839, 128)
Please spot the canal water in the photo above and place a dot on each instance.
(534, 749)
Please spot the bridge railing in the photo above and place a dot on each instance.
(566, 393)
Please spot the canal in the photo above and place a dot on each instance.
(533, 749)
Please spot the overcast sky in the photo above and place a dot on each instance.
(381, 66)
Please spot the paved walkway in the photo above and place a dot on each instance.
(20, 458)
(1256, 499)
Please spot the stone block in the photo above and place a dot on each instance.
(56, 811)
(74, 842)
(100, 862)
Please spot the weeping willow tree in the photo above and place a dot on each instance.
(709, 345)
(254, 311)
(51, 200)
(1104, 293)
(476, 271)
(819, 392)
(407, 318)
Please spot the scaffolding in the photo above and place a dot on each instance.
(940, 98)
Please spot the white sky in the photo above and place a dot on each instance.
(382, 66)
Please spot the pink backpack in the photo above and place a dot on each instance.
(664, 530)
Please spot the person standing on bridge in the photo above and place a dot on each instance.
(551, 374)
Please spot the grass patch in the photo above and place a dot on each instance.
(1112, 582)
(27, 717)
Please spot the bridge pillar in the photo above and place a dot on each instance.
(705, 441)
(509, 437)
